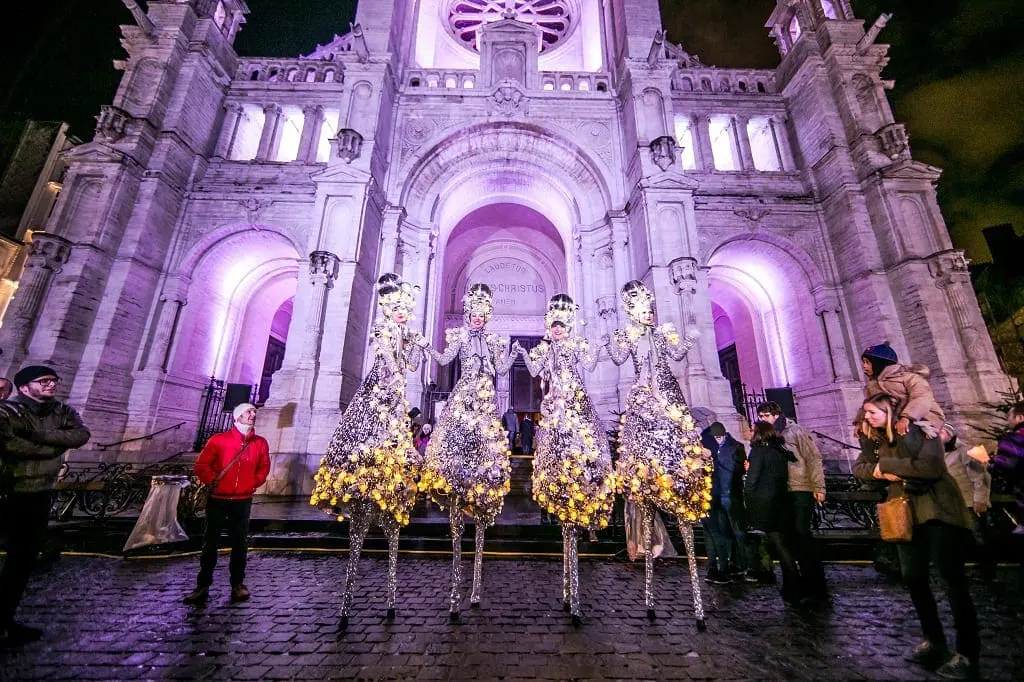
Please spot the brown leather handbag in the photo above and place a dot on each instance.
(896, 520)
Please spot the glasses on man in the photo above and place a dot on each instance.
(47, 381)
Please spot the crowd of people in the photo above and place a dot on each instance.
(756, 503)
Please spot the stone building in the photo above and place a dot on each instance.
(232, 213)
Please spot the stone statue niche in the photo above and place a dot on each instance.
(508, 53)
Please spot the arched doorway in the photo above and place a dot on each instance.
(519, 253)
(239, 306)
(767, 332)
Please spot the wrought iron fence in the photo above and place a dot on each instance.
(219, 399)
(99, 490)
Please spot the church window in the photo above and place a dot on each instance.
(220, 15)
(328, 129)
(555, 19)
(310, 75)
(795, 30)
(584, 84)
(414, 82)
(566, 84)
(291, 122)
(468, 82)
(763, 145)
(255, 75)
(828, 8)
(602, 87)
(329, 76)
(724, 145)
(761, 87)
(292, 73)
(450, 82)
(705, 84)
(685, 139)
(247, 138)
(549, 84)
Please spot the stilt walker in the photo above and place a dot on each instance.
(370, 467)
(572, 464)
(466, 466)
(662, 464)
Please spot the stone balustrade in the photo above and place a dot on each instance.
(709, 79)
(450, 79)
(291, 71)
(578, 82)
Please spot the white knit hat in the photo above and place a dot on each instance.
(241, 409)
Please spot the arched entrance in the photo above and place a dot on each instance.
(767, 331)
(518, 252)
(239, 310)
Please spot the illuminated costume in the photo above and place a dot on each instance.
(572, 466)
(662, 464)
(466, 466)
(369, 469)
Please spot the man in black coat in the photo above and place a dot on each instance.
(35, 431)
(526, 435)
(725, 523)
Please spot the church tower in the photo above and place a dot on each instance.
(899, 271)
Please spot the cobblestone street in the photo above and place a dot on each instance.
(120, 620)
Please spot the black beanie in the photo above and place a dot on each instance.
(717, 429)
(27, 375)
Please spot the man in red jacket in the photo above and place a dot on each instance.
(233, 464)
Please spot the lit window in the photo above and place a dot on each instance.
(548, 85)
(310, 75)
(685, 140)
(763, 146)
(219, 15)
(566, 85)
(468, 83)
(795, 30)
(723, 143)
(247, 136)
(328, 130)
(290, 131)
(450, 82)
(584, 85)
(828, 8)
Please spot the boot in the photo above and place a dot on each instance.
(239, 593)
(197, 596)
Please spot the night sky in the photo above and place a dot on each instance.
(958, 66)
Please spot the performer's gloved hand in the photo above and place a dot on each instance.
(418, 339)
(691, 336)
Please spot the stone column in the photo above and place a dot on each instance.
(323, 270)
(229, 130)
(740, 134)
(47, 253)
(778, 129)
(827, 307)
(173, 299)
(389, 233)
(271, 135)
(312, 122)
(702, 142)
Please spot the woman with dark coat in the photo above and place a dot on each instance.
(914, 464)
(766, 493)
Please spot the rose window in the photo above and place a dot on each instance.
(554, 18)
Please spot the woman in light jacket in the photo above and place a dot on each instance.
(915, 467)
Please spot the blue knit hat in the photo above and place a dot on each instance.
(882, 352)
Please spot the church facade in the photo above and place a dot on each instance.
(232, 214)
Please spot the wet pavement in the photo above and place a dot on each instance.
(122, 620)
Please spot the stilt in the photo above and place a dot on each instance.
(478, 565)
(392, 569)
(572, 558)
(359, 524)
(647, 514)
(565, 569)
(698, 602)
(458, 524)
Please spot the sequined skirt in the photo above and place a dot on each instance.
(661, 459)
(572, 467)
(468, 456)
(370, 458)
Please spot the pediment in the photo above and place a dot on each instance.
(93, 152)
(340, 173)
(911, 170)
(509, 28)
(669, 180)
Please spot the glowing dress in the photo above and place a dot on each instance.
(370, 466)
(662, 463)
(572, 464)
(466, 465)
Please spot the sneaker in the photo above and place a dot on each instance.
(239, 593)
(197, 596)
(958, 667)
(716, 577)
(928, 655)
